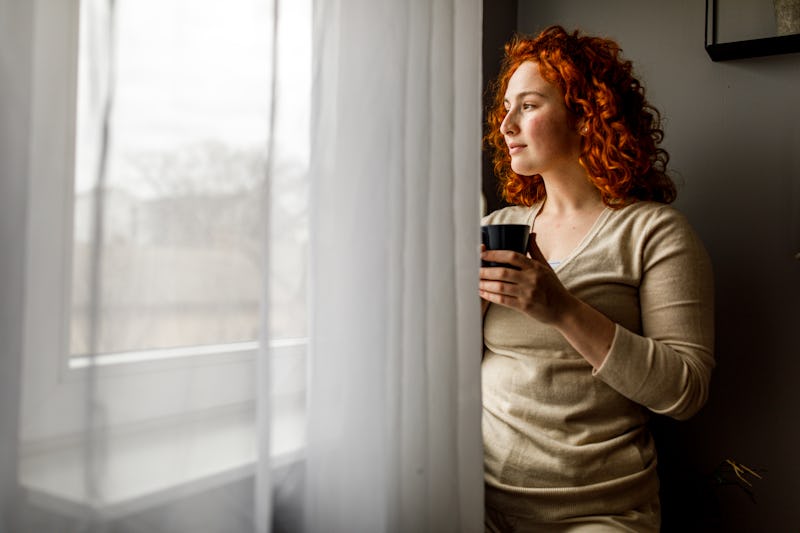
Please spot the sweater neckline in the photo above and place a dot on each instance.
(599, 222)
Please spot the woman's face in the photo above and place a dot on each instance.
(537, 128)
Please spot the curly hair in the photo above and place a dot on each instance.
(620, 130)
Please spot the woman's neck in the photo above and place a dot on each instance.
(569, 194)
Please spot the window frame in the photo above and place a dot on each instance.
(50, 380)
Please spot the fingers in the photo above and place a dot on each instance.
(499, 296)
(507, 257)
(501, 287)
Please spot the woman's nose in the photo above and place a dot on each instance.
(508, 126)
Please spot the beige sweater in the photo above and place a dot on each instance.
(562, 439)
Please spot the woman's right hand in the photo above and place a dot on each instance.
(534, 289)
(529, 285)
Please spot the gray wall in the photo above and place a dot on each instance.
(733, 133)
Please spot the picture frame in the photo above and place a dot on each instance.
(746, 48)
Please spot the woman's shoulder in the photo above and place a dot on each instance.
(656, 226)
(647, 216)
(515, 214)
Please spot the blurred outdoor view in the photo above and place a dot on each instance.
(184, 208)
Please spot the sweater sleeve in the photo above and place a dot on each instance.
(668, 367)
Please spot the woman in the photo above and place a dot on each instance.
(610, 315)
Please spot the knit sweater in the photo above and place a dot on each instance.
(562, 439)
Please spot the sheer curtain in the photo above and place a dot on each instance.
(394, 437)
(247, 304)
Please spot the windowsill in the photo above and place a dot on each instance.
(149, 466)
(146, 356)
(211, 352)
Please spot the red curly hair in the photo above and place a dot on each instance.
(620, 129)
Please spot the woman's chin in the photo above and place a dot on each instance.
(523, 170)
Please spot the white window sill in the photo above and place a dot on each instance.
(151, 465)
(146, 356)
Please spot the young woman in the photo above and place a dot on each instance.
(610, 315)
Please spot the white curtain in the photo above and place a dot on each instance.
(394, 440)
(138, 391)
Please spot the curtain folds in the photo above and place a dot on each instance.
(394, 409)
(282, 317)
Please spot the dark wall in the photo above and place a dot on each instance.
(499, 24)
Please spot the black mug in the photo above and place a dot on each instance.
(505, 237)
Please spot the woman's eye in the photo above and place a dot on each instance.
(528, 106)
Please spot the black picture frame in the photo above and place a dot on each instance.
(767, 46)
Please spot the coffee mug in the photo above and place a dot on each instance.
(512, 237)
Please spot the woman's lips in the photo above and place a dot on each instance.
(513, 148)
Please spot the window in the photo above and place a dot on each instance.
(180, 260)
(181, 230)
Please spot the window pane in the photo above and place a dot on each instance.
(180, 260)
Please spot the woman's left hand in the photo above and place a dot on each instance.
(534, 289)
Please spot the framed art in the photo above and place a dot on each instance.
(738, 29)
